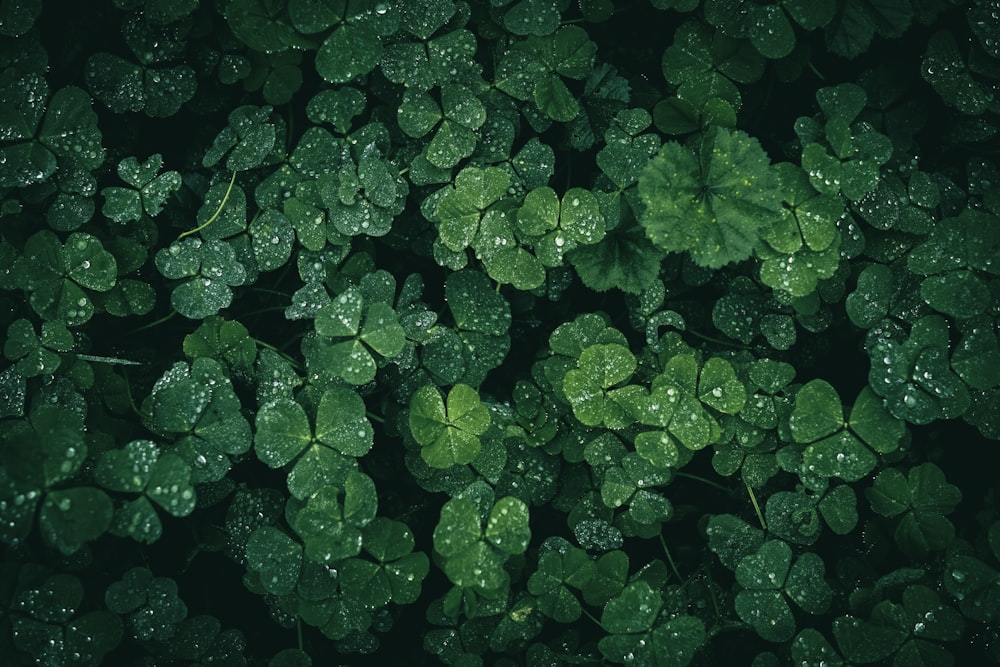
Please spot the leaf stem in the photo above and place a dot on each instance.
(756, 507)
(215, 215)
(703, 480)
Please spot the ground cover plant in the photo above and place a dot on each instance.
(506, 332)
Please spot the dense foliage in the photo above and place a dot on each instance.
(508, 332)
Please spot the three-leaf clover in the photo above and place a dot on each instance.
(163, 478)
(474, 556)
(768, 575)
(352, 329)
(208, 270)
(148, 193)
(923, 498)
(837, 448)
(448, 430)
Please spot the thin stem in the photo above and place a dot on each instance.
(215, 215)
(756, 507)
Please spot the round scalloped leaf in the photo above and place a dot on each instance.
(817, 412)
(341, 422)
(507, 525)
(282, 432)
(276, 557)
(71, 517)
(88, 263)
(714, 203)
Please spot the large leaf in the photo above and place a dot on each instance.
(714, 201)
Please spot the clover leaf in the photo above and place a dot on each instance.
(556, 227)
(551, 582)
(457, 117)
(152, 604)
(713, 202)
(532, 69)
(246, 141)
(208, 271)
(632, 618)
(61, 276)
(163, 478)
(283, 431)
(148, 193)
(67, 136)
(954, 258)
(448, 430)
(355, 45)
(123, 85)
(923, 497)
(34, 354)
(474, 557)
(198, 407)
(330, 523)
(276, 558)
(768, 576)
(353, 331)
(396, 573)
(914, 376)
(834, 450)
(599, 368)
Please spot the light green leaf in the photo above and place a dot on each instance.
(507, 525)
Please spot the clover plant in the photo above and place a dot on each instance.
(507, 332)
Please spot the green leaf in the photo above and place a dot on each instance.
(341, 422)
(282, 432)
(352, 50)
(276, 557)
(448, 435)
(817, 412)
(633, 610)
(70, 518)
(507, 526)
(719, 387)
(475, 305)
(599, 368)
(714, 202)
